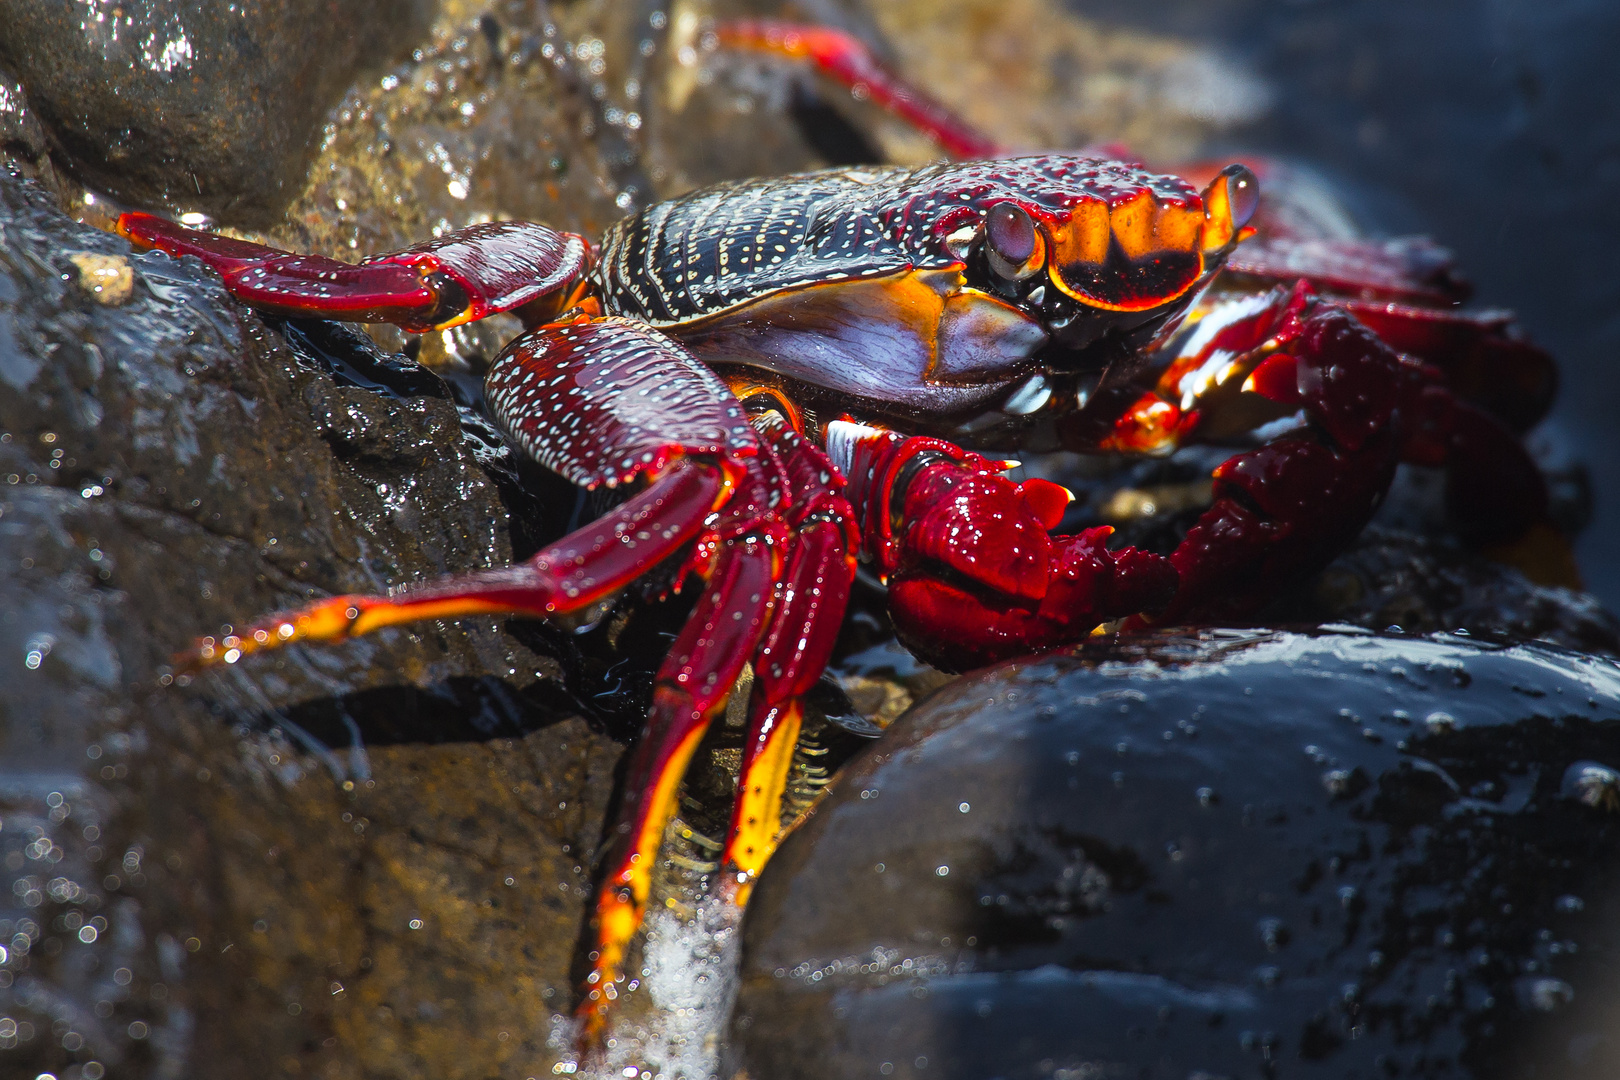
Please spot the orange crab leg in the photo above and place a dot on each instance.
(691, 688)
(581, 569)
(790, 660)
(845, 58)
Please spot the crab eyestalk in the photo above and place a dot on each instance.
(1230, 202)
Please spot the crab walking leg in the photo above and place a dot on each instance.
(462, 276)
(1286, 508)
(795, 650)
(790, 660)
(691, 688)
(845, 58)
(581, 569)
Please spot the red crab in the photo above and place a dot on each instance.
(784, 371)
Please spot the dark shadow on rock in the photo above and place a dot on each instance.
(461, 709)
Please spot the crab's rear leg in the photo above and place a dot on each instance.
(464, 275)
(846, 59)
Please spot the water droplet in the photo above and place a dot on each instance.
(1543, 994)
(1274, 933)
(1593, 783)
(1438, 722)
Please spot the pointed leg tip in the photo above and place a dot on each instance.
(329, 621)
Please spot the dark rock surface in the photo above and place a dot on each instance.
(1234, 855)
(191, 880)
(184, 105)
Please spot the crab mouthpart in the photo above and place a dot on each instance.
(1132, 254)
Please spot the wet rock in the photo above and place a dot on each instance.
(1044, 76)
(195, 106)
(1422, 584)
(1230, 854)
(332, 861)
(568, 114)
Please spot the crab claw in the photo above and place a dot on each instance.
(980, 579)
(981, 526)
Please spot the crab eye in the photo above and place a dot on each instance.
(1013, 245)
(1242, 194)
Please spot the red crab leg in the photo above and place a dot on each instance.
(1286, 508)
(846, 59)
(465, 275)
(795, 650)
(1482, 355)
(582, 569)
(691, 687)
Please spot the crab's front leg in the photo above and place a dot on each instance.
(517, 266)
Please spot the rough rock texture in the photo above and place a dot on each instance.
(1222, 855)
(191, 880)
(184, 105)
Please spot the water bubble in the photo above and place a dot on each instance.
(1593, 783)
(1274, 933)
(1568, 904)
(1439, 721)
(38, 648)
(1543, 994)
(1345, 783)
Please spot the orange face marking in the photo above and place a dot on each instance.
(1084, 237)
(1178, 228)
(1132, 225)
(1136, 255)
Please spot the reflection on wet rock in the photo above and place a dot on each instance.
(1229, 854)
(194, 106)
(320, 862)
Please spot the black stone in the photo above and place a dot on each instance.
(1231, 854)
